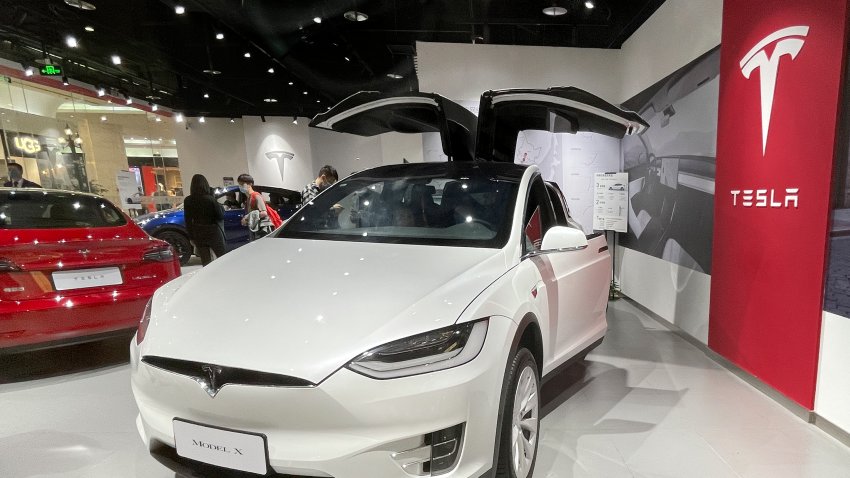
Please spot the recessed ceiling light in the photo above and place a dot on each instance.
(305, 92)
(347, 59)
(355, 16)
(82, 5)
(555, 11)
(89, 28)
(318, 101)
(116, 60)
(394, 76)
(317, 19)
(71, 41)
(291, 83)
(589, 5)
(211, 71)
(179, 9)
(270, 100)
(271, 70)
(232, 120)
(247, 54)
(206, 95)
(219, 36)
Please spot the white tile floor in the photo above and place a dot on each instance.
(645, 404)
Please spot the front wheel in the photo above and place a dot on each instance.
(521, 418)
(180, 243)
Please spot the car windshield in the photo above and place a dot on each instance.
(56, 210)
(450, 204)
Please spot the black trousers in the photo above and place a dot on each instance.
(208, 239)
(204, 251)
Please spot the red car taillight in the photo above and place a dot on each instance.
(159, 254)
(143, 324)
(7, 265)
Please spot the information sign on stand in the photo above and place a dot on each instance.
(611, 202)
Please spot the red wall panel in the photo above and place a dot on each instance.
(769, 251)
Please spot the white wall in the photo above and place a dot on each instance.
(678, 32)
(345, 152)
(278, 134)
(215, 149)
(832, 396)
(463, 72)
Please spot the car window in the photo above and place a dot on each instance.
(557, 204)
(466, 210)
(43, 210)
(539, 216)
(230, 200)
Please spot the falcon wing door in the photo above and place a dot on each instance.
(503, 114)
(369, 113)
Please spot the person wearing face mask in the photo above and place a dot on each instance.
(16, 176)
(256, 215)
(327, 176)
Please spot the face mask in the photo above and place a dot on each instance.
(15, 175)
(244, 189)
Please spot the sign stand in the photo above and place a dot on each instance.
(610, 213)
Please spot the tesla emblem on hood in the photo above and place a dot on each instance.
(788, 41)
(211, 381)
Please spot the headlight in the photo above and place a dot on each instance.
(143, 324)
(436, 350)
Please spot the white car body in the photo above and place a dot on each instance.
(308, 309)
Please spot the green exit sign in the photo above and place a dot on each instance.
(51, 70)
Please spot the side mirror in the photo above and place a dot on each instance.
(563, 238)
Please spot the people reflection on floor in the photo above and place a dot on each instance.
(16, 176)
(204, 220)
(256, 216)
(327, 176)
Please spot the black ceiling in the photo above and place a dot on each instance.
(164, 54)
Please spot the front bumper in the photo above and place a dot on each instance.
(348, 426)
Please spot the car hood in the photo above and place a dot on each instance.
(305, 308)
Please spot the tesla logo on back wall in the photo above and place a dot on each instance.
(788, 41)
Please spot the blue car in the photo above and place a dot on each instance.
(170, 225)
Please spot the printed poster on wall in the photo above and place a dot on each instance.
(611, 202)
(129, 190)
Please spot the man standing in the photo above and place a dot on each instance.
(327, 176)
(16, 174)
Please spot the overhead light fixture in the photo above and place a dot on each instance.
(202, 120)
(318, 101)
(394, 76)
(81, 4)
(305, 92)
(65, 80)
(291, 83)
(232, 120)
(158, 119)
(270, 100)
(71, 41)
(88, 28)
(211, 71)
(77, 140)
(554, 11)
(347, 59)
(154, 107)
(128, 100)
(355, 16)
(589, 5)
(101, 92)
(116, 60)
(29, 71)
(178, 118)
(179, 9)
(103, 118)
(271, 70)
(294, 120)
(68, 131)
(317, 19)
(206, 95)
(247, 54)
(219, 36)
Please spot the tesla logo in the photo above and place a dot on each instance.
(280, 158)
(90, 277)
(788, 41)
(766, 198)
(210, 383)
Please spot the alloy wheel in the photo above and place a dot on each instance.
(524, 426)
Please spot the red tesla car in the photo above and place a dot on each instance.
(73, 268)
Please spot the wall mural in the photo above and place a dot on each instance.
(671, 166)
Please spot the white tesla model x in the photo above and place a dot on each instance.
(399, 325)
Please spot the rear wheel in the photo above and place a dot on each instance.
(521, 418)
(180, 243)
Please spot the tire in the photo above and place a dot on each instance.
(179, 242)
(523, 379)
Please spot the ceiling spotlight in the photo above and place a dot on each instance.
(103, 118)
(294, 120)
(71, 42)
(65, 80)
(589, 5)
(28, 71)
(81, 4)
(178, 118)
(219, 36)
(232, 120)
(271, 70)
(554, 11)
(206, 95)
(88, 28)
(154, 107)
(347, 59)
(247, 54)
(202, 120)
(317, 19)
(128, 100)
(305, 92)
(291, 83)
(394, 76)
(355, 16)
(101, 92)
(318, 101)
(116, 60)
(179, 9)
(270, 100)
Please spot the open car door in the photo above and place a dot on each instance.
(370, 113)
(503, 114)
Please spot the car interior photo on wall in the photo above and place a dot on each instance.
(401, 324)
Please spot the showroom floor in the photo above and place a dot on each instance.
(645, 404)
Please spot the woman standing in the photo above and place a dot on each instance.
(204, 219)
